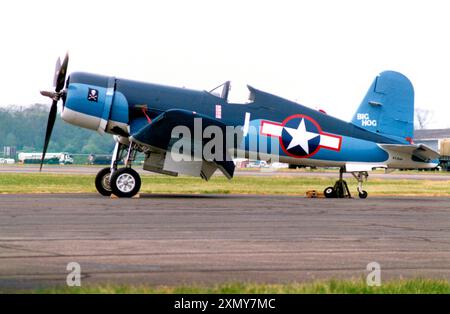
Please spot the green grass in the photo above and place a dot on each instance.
(410, 286)
(278, 184)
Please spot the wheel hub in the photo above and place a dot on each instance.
(125, 183)
(106, 183)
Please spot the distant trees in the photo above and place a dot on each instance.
(10, 139)
(423, 118)
(24, 127)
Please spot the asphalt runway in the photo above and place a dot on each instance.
(186, 239)
(263, 172)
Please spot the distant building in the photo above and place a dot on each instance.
(432, 138)
(9, 152)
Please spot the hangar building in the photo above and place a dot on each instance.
(437, 139)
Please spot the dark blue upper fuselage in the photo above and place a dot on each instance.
(160, 98)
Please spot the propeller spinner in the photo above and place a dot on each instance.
(59, 81)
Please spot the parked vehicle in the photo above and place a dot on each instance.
(50, 158)
(8, 161)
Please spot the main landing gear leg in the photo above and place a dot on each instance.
(126, 182)
(102, 180)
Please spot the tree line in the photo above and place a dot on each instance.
(24, 128)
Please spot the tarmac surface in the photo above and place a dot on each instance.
(209, 239)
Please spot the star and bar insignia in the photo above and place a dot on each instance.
(301, 136)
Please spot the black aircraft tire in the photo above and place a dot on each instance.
(102, 182)
(125, 182)
(363, 194)
(329, 192)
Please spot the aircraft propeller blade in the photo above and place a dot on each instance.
(57, 68)
(61, 77)
(58, 83)
(48, 133)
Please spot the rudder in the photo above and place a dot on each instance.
(388, 107)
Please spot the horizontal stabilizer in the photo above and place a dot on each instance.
(419, 150)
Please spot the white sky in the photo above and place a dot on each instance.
(323, 54)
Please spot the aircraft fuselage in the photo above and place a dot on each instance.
(122, 107)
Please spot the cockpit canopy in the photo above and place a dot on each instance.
(223, 91)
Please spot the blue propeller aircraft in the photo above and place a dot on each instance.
(142, 117)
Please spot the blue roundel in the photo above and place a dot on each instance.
(300, 137)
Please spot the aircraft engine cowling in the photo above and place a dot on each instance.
(93, 103)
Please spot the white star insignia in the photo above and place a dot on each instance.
(300, 137)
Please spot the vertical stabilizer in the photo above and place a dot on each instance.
(388, 107)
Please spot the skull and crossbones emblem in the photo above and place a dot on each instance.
(93, 95)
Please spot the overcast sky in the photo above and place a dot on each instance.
(323, 54)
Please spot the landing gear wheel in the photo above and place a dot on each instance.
(363, 194)
(102, 182)
(125, 182)
(329, 192)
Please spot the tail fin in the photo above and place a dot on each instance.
(388, 107)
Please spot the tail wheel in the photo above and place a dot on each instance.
(363, 194)
(125, 182)
(329, 192)
(102, 182)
